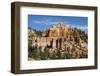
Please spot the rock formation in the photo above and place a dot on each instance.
(70, 42)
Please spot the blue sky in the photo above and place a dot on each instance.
(41, 22)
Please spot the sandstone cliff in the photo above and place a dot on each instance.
(57, 42)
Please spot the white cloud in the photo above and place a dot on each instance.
(38, 21)
(81, 27)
